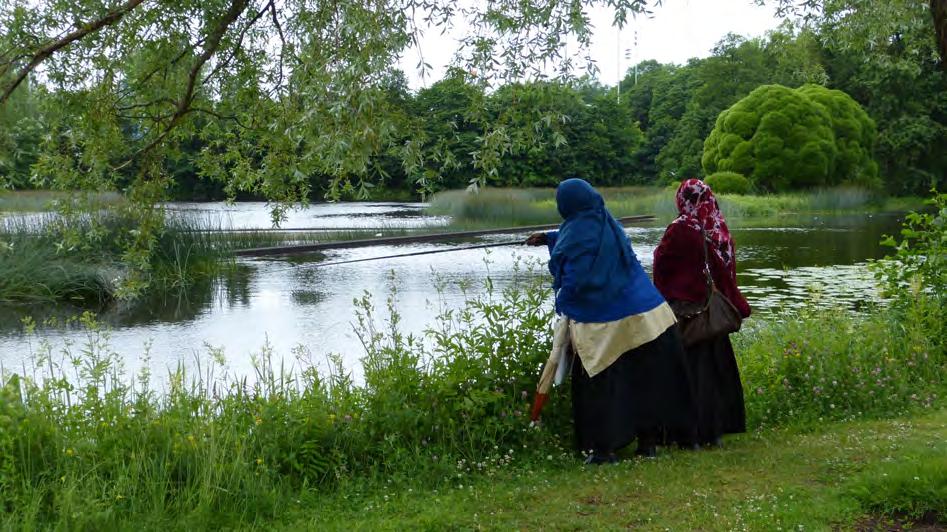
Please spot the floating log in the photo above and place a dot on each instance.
(413, 239)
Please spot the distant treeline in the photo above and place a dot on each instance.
(651, 131)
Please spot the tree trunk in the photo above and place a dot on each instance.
(939, 12)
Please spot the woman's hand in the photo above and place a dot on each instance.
(537, 239)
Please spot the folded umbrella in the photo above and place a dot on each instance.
(556, 367)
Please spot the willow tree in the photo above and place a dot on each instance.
(872, 23)
(279, 89)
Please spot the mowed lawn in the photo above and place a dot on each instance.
(863, 475)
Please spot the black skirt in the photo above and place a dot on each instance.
(716, 380)
(643, 393)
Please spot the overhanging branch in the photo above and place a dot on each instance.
(237, 7)
(52, 47)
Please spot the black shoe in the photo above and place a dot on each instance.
(648, 451)
(601, 458)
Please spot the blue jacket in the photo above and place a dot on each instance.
(596, 275)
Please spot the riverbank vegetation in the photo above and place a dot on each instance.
(873, 98)
(83, 258)
(84, 445)
(507, 207)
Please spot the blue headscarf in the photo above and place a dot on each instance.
(595, 272)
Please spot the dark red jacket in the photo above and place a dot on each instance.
(679, 265)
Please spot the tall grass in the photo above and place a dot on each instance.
(82, 258)
(84, 446)
(46, 200)
(497, 207)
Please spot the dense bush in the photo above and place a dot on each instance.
(783, 139)
(728, 183)
(855, 134)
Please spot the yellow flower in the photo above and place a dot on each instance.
(257, 420)
(190, 438)
(331, 418)
(70, 452)
(259, 461)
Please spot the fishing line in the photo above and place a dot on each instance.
(400, 255)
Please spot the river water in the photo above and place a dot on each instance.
(286, 304)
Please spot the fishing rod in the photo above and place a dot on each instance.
(412, 239)
(417, 253)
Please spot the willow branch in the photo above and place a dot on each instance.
(237, 7)
(49, 49)
(239, 44)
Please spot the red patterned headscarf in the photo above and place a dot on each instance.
(699, 209)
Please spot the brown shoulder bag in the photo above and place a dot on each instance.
(717, 316)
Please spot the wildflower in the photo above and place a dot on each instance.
(348, 417)
(331, 418)
(70, 452)
(258, 420)
(259, 461)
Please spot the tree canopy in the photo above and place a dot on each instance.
(275, 91)
(287, 100)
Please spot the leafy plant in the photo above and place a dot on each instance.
(784, 139)
(728, 183)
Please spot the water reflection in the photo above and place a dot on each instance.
(290, 302)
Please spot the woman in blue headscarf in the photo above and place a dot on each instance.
(630, 379)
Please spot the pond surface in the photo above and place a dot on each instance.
(286, 303)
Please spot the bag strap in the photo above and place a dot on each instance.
(707, 274)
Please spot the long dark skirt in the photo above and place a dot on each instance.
(643, 392)
(717, 387)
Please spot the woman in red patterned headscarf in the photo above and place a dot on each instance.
(679, 276)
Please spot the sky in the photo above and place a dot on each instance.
(676, 32)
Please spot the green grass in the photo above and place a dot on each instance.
(44, 200)
(830, 477)
(84, 445)
(501, 207)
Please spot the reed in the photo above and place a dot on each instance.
(494, 207)
(46, 200)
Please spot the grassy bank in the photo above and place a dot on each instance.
(83, 445)
(500, 207)
(843, 476)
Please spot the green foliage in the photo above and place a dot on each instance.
(920, 256)
(81, 447)
(262, 98)
(910, 486)
(854, 136)
(588, 134)
(729, 183)
(783, 139)
(813, 365)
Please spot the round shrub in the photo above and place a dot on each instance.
(777, 137)
(729, 183)
(855, 134)
(782, 139)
